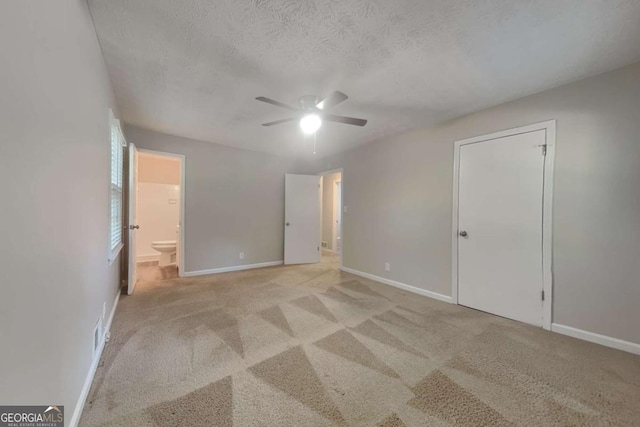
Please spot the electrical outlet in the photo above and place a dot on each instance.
(241, 255)
(344, 209)
(387, 266)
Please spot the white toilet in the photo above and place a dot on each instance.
(167, 249)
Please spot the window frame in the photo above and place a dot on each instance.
(115, 247)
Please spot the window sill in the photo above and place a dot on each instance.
(114, 254)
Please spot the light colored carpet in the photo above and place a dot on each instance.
(312, 346)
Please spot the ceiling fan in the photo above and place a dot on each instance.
(312, 112)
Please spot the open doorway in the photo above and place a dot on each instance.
(332, 215)
(158, 214)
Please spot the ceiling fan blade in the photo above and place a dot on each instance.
(274, 102)
(277, 122)
(345, 120)
(332, 100)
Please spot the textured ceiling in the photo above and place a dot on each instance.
(193, 67)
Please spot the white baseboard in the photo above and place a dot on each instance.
(400, 285)
(596, 338)
(75, 418)
(604, 340)
(146, 258)
(232, 268)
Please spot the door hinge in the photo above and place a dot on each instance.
(542, 295)
(318, 248)
(544, 149)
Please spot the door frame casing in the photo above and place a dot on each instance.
(549, 127)
(336, 227)
(181, 237)
(330, 172)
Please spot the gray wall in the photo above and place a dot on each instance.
(234, 200)
(399, 198)
(54, 223)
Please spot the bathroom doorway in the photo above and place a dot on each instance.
(159, 212)
(332, 215)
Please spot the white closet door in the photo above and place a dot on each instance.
(500, 208)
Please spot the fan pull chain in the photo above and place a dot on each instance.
(314, 143)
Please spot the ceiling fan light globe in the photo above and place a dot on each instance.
(310, 123)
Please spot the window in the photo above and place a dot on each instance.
(115, 188)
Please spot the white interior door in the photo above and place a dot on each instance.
(337, 243)
(303, 219)
(500, 208)
(133, 218)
